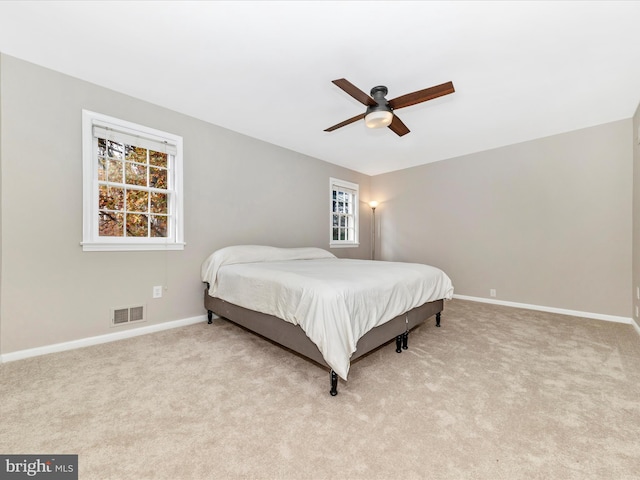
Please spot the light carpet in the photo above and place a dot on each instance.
(496, 393)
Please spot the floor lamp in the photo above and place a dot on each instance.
(373, 204)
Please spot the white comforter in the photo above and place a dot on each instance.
(335, 301)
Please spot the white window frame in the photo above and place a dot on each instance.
(91, 241)
(354, 188)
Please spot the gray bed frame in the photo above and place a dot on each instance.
(293, 337)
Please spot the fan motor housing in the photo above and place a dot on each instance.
(378, 93)
(378, 89)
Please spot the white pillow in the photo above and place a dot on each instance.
(252, 254)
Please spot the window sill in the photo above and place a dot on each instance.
(344, 245)
(128, 247)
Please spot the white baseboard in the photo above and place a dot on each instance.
(112, 337)
(109, 337)
(562, 311)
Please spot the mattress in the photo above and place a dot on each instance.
(335, 301)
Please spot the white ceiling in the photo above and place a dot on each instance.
(522, 70)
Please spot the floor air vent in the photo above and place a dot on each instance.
(124, 315)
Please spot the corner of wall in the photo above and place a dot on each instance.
(635, 220)
(1, 62)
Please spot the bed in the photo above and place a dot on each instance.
(330, 310)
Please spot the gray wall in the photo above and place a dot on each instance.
(238, 190)
(636, 213)
(545, 222)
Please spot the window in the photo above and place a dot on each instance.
(344, 214)
(132, 187)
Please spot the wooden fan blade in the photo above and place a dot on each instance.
(355, 92)
(398, 127)
(346, 122)
(422, 95)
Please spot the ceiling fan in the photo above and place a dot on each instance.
(379, 111)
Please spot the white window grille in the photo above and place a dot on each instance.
(132, 186)
(344, 213)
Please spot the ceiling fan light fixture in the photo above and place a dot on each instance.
(378, 119)
(380, 110)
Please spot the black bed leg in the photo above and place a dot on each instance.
(210, 317)
(405, 340)
(334, 384)
(438, 319)
(399, 344)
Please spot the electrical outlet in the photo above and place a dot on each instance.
(157, 291)
(492, 292)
